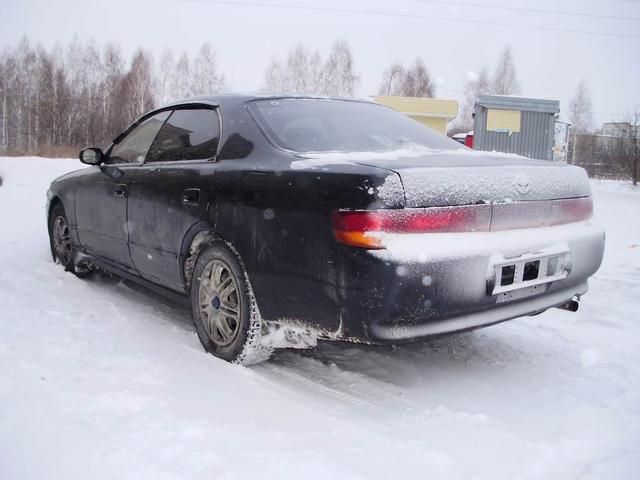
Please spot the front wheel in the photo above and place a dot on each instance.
(60, 238)
(224, 309)
(60, 242)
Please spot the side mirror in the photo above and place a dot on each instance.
(91, 156)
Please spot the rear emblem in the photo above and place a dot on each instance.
(522, 184)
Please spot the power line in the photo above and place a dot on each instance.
(530, 10)
(405, 15)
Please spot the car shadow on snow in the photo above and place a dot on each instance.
(461, 358)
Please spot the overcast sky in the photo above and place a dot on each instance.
(453, 38)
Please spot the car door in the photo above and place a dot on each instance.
(101, 198)
(170, 193)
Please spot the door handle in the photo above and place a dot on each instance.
(191, 196)
(120, 190)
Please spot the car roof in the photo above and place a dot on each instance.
(234, 99)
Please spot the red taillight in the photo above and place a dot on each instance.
(571, 210)
(363, 228)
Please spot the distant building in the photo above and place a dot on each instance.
(525, 126)
(435, 113)
(619, 129)
(602, 155)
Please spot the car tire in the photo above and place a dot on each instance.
(60, 238)
(224, 310)
(61, 244)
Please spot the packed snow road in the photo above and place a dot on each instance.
(102, 380)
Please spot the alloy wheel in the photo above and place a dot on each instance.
(219, 302)
(61, 240)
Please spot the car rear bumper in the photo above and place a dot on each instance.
(431, 284)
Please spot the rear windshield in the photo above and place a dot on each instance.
(319, 125)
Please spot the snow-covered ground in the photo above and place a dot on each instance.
(99, 380)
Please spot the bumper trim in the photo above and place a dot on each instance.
(479, 319)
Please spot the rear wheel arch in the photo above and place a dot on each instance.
(197, 239)
(245, 346)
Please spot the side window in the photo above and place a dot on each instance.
(187, 135)
(134, 147)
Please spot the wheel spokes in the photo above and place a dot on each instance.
(61, 240)
(218, 301)
(226, 331)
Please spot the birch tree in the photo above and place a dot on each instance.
(339, 74)
(113, 71)
(164, 76)
(505, 80)
(580, 115)
(80, 94)
(476, 85)
(274, 76)
(205, 77)
(414, 81)
(305, 72)
(392, 80)
(138, 86)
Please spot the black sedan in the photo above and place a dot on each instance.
(286, 220)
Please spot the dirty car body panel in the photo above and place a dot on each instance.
(291, 190)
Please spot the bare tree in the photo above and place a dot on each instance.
(205, 78)
(137, 86)
(300, 74)
(580, 118)
(339, 75)
(113, 77)
(18, 80)
(63, 97)
(47, 100)
(4, 97)
(305, 71)
(274, 76)
(417, 81)
(78, 94)
(181, 81)
(629, 145)
(414, 81)
(475, 86)
(635, 151)
(505, 79)
(164, 77)
(391, 83)
(580, 115)
(317, 74)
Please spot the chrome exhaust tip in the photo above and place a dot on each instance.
(571, 305)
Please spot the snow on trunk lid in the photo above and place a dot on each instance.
(436, 186)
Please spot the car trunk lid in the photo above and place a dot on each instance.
(467, 178)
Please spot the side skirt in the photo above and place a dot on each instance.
(177, 297)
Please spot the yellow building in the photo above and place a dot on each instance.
(432, 112)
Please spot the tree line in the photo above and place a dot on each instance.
(53, 101)
(80, 93)
(56, 100)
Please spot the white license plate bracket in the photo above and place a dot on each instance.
(527, 274)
